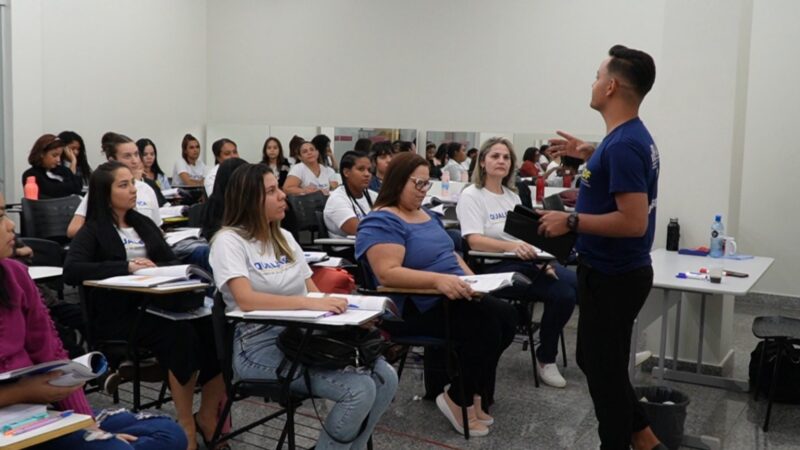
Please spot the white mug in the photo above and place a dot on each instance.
(729, 245)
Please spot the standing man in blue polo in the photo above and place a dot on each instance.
(615, 222)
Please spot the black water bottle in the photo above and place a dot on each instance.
(673, 235)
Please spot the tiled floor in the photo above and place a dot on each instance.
(546, 418)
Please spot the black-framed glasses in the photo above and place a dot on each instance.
(421, 184)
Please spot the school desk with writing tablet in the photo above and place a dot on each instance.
(65, 425)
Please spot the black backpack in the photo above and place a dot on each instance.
(787, 390)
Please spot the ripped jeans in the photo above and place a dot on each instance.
(154, 432)
(356, 393)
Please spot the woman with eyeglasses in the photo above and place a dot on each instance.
(351, 201)
(481, 210)
(53, 179)
(309, 175)
(407, 247)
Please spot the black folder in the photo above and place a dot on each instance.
(523, 223)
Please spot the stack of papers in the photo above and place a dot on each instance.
(490, 282)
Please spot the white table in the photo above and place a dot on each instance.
(39, 273)
(709, 305)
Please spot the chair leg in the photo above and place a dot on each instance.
(533, 353)
(137, 400)
(464, 417)
(162, 394)
(773, 383)
(563, 349)
(403, 357)
(760, 368)
(223, 417)
(369, 443)
(290, 425)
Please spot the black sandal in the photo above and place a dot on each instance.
(220, 446)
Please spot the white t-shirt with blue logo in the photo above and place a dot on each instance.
(134, 245)
(146, 203)
(233, 256)
(307, 177)
(483, 212)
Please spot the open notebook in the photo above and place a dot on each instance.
(183, 274)
(75, 371)
(361, 309)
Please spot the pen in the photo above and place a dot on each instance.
(692, 275)
(351, 306)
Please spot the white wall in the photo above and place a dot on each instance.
(137, 67)
(770, 188)
(164, 68)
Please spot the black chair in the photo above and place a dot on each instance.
(446, 343)
(195, 215)
(240, 389)
(303, 218)
(523, 188)
(476, 261)
(118, 351)
(783, 332)
(47, 253)
(48, 219)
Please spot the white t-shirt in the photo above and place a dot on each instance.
(134, 245)
(232, 256)
(465, 164)
(455, 170)
(208, 181)
(196, 171)
(340, 208)
(483, 212)
(554, 179)
(307, 178)
(146, 203)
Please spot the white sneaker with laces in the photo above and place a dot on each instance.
(550, 375)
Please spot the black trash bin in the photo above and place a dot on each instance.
(665, 420)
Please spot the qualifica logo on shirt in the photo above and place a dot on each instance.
(497, 216)
(654, 156)
(585, 175)
(271, 265)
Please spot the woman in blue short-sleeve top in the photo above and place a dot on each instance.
(407, 247)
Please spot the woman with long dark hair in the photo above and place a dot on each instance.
(309, 175)
(148, 153)
(190, 170)
(258, 265)
(117, 240)
(74, 143)
(28, 338)
(272, 156)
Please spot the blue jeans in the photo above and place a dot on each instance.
(154, 432)
(559, 297)
(356, 393)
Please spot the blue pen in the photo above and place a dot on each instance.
(351, 306)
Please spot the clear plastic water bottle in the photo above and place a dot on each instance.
(716, 247)
(445, 183)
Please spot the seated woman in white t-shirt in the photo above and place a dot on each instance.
(189, 170)
(309, 175)
(482, 209)
(223, 149)
(351, 201)
(258, 265)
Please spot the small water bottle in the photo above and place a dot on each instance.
(716, 246)
(445, 183)
(673, 235)
(31, 189)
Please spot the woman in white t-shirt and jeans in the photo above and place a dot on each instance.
(482, 209)
(189, 170)
(309, 176)
(351, 201)
(258, 265)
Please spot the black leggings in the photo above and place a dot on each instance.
(481, 331)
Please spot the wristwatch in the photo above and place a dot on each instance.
(572, 222)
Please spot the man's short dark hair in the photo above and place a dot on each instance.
(634, 66)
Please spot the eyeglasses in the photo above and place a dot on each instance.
(421, 184)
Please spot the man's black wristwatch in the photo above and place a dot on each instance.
(572, 222)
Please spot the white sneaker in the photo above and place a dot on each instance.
(550, 375)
